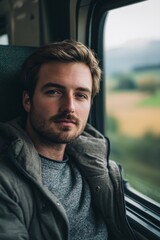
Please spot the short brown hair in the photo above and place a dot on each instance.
(66, 51)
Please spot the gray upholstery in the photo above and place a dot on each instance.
(11, 59)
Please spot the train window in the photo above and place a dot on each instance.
(3, 29)
(4, 39)
(132, 83)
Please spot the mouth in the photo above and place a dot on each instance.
(66, 122)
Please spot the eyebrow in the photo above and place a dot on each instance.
(56, 85)
(49, 85)
(82, 89)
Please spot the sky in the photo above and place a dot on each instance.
(135, 22)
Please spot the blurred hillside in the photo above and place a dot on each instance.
(133, 55)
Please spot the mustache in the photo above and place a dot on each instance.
(64, 116)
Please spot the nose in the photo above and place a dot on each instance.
(68, 104)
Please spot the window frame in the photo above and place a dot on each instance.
(143, 210)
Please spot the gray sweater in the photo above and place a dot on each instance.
(65, 181)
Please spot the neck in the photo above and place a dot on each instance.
(55, 151)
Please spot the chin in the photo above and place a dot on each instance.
(65, 137)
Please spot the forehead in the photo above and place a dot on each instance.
(67, 74)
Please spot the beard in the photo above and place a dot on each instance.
(50, 132)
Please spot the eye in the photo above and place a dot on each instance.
(53, 92)
(81, 96)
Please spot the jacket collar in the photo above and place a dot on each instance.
(90, 150)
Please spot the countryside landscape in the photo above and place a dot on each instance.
(133, 115)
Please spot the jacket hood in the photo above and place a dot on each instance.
(15, 143)
(89, 150)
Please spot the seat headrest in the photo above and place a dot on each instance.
(11, 60)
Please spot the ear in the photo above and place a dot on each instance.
(26, 101)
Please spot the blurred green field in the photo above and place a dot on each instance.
(140, 166)
(152, 101)
(133, 127)
(143, 178)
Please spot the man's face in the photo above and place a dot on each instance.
(60, 106)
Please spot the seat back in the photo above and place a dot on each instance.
(11, 59)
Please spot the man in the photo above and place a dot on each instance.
(56, 182)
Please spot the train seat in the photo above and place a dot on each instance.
(11, 59)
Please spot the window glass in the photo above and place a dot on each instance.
(132, 77)
(4, 39)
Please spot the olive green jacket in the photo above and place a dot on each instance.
(29, 211)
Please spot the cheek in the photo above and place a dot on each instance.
(45, 108)
(84, 111)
